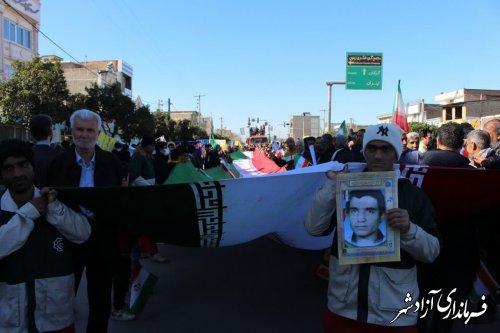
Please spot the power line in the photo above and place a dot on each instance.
(53, 42)
(63, 50)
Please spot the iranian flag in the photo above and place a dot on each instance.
(399, 114)
(256, 163)
(342, 129)
(300, 161)
(141, 289)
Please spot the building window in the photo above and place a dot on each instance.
(458, 112)
(448, 114)
(27, 39)
(5, 29)
(128, 82)
(16, 34)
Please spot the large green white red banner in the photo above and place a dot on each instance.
(234, 211)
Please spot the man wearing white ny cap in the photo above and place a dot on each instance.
(367, 297)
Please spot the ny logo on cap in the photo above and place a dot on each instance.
(383, 131)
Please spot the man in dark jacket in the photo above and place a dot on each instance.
(41, 131)
(492, 161)
(450, 139)
(87, 165)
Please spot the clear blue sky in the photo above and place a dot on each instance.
(270, 59)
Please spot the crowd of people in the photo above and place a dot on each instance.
(33, 221)
(453, 145)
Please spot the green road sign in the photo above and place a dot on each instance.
(364, 71)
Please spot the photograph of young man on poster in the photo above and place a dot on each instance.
(365, 210)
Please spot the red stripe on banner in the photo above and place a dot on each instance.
(449, 189)
(264, 164)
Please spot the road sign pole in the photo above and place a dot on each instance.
(329, 88)
(329, 85)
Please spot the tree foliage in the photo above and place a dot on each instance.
(34, 88)
(138, 123)
(160, 124)
(39, 87)
(119, 113)
(417, 127)
(172, 130)
(114, 108)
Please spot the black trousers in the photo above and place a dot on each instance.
(121, 280)
(98, 260)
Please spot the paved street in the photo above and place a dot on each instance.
(255, 287)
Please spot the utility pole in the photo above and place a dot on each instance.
(198, 104)
(221, 125)
(169, 103)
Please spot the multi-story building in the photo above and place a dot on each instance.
(20, 24)
(105, 72)
(469, 105)
(475, 106)
(304, 125)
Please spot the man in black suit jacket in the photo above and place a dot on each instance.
(87, 165)
(44, 154)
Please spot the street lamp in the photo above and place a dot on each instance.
(329, 87)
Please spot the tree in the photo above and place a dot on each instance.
(160, 124)
(115, 109)
(140, 122)
(417, 127)
(34, 88)
(119, 113)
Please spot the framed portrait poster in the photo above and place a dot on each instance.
(362, 231)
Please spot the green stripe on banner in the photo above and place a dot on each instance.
(238, 155)
(185, 173)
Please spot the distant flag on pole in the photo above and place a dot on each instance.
(342, 129)
(399, 115)
(213, 143)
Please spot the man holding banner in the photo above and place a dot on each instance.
(366, 297)
(87, 165)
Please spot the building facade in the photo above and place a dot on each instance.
(209, 125)
(193, 116)
(104, 72)
(304, 125)
(20, 24)
(474, 106)
(469, 105)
